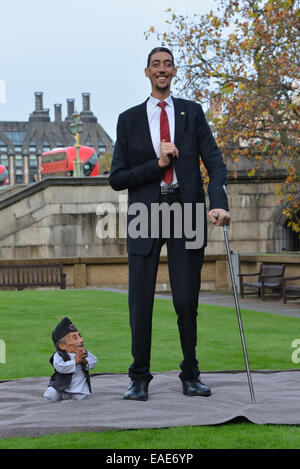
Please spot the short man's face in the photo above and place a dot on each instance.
(161, 71)
(72, 342)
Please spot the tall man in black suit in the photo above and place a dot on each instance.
(156, 158)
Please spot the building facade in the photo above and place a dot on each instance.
(22, 143)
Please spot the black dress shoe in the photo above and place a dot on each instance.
(137, 391)
(195, 387)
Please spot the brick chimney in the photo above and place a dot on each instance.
(86, 102)
(38, 101)
(71, 108)
(39, 114)
(57, 112)
(86, 115)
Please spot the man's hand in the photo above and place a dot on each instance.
(80, 356)
(168, 151)
(219, 217)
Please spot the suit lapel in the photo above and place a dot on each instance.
(180, 117)
(143, 125)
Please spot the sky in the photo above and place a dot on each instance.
(66, 47)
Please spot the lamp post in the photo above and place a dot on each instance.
(76, 129)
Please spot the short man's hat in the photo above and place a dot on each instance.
(63, 328)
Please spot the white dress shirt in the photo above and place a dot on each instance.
(153, 113)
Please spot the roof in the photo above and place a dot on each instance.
(40, 132)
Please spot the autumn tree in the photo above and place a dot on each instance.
(245, 57)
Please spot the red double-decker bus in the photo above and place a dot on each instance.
(59, 161)
(3, 176)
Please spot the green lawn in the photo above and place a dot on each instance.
(28, 318)
(228, 436)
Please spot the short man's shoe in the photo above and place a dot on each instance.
(195, 387)
(137, 391)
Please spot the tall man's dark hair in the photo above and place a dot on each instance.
(159, 49)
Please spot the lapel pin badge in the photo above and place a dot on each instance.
(182, 113)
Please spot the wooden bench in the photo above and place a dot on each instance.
(290, 291)
(32, 275)
(269, 276)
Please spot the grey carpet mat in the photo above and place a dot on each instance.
(24, 412)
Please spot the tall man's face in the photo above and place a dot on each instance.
(161, 71)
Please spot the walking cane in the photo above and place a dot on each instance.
(237, 307)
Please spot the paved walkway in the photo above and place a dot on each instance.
(271, 304)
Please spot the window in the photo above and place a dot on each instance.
(19, 169)
(46, 145)
(4, 160)
(18, 149)
(16, 137)
(33, 167)
(290, 239)
(33, 161)
(19, 177)
(19, 161)
(32, 146)
(102, 148)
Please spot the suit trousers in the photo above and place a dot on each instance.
(185, 273)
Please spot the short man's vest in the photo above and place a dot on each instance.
(61, 381)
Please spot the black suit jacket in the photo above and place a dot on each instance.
(135, 164)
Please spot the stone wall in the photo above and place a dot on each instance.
(254, 209)
(58, 218)
(112, 272)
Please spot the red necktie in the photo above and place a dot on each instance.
(165, 135)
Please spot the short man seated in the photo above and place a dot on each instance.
(71, 363)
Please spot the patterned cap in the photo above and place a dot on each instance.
(63, 328)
